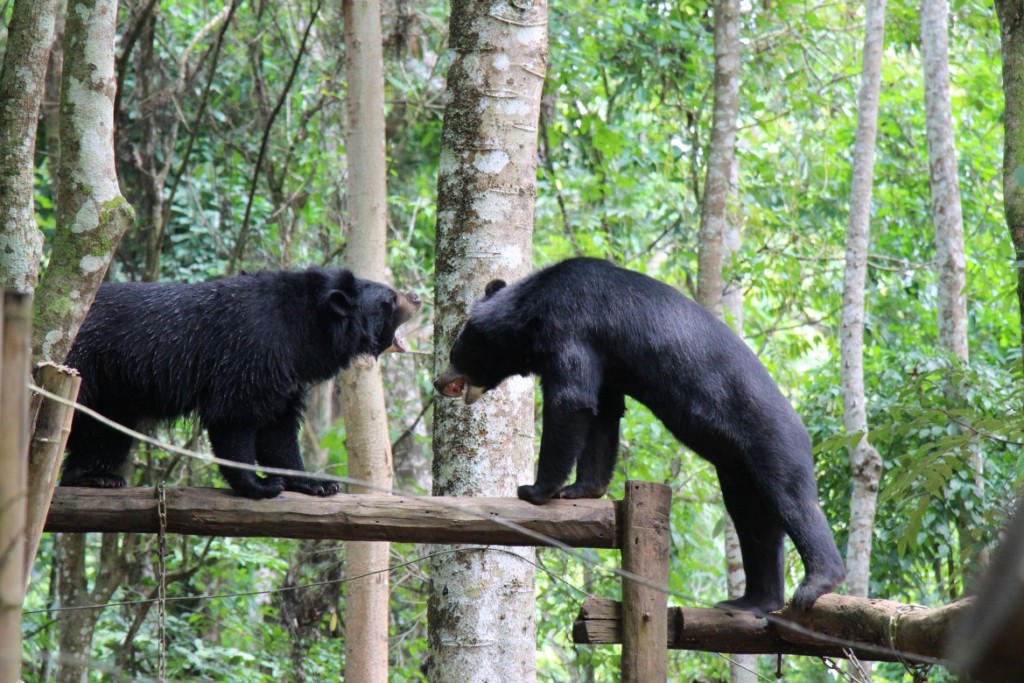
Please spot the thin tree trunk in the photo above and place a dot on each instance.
(947, 218)
(22, 83)
(369, 444)
(481, 604)
(719, 238)
(865, 462)
(1011, 23)
(92, 215)
(945, 187)
(78, 625)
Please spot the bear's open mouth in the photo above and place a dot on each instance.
(398, 344)
(455, 388)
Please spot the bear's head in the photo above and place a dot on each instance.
(369, 311)
(486, 351)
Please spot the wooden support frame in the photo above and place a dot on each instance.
(638, 525)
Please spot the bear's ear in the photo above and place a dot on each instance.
(493, 287)
(340, 296)
(340, 302)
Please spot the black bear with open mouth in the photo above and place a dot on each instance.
(595, 333)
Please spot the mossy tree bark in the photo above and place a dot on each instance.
(1011, 23)
(481, 603)
(22, 82)
(92, 215)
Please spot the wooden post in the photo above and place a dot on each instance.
(645, 544)
(14, 372)
(52, 422)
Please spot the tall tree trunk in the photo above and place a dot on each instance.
(92, 215)
(865, 462)
(1011, 23)
(22, 82)
(366, 426)
(481, 604)
(719, 238)
(947, 218)
(78, 625)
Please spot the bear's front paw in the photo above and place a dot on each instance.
(313, 487)
(532, 494)
(579, 490)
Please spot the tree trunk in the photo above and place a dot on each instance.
(91, 213)
(78, 625)
(22, 82)
(947, 219)
(865, 462)
(719, 238)
(481, 603)
(1011, 23)
(366, 425)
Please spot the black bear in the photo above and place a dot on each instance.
(594, 333)
(239, 353)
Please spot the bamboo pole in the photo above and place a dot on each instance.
(52, 421)
(17, 340)
(645, 544)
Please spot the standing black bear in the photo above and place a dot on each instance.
(593, 333)
(239, 352)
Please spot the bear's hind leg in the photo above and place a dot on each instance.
(761, 543)
(787, 484)
(238, 444)
(277, 445)
(597, 460)
(96, 454)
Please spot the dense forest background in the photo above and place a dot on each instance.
(230, 122)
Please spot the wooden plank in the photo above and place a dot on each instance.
(347, 517)
(837, 619)
(645, 545)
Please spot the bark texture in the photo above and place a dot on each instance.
(865, 462)
(947, 216)
(481, 602)
(947, 219)
(92, 215)
(22, 83)
(366, 422)
(1011, 24)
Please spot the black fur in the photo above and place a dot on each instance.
(594, 333)
(239, 353)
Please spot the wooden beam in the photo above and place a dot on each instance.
(838, 621)
(344, 517)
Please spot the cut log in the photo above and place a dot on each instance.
(344, 517)
(876, 630)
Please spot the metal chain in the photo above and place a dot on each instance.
(161, 605)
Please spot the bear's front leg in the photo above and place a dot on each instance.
(597, 460)
(561, 443)
(277, 445)
(237, 443)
